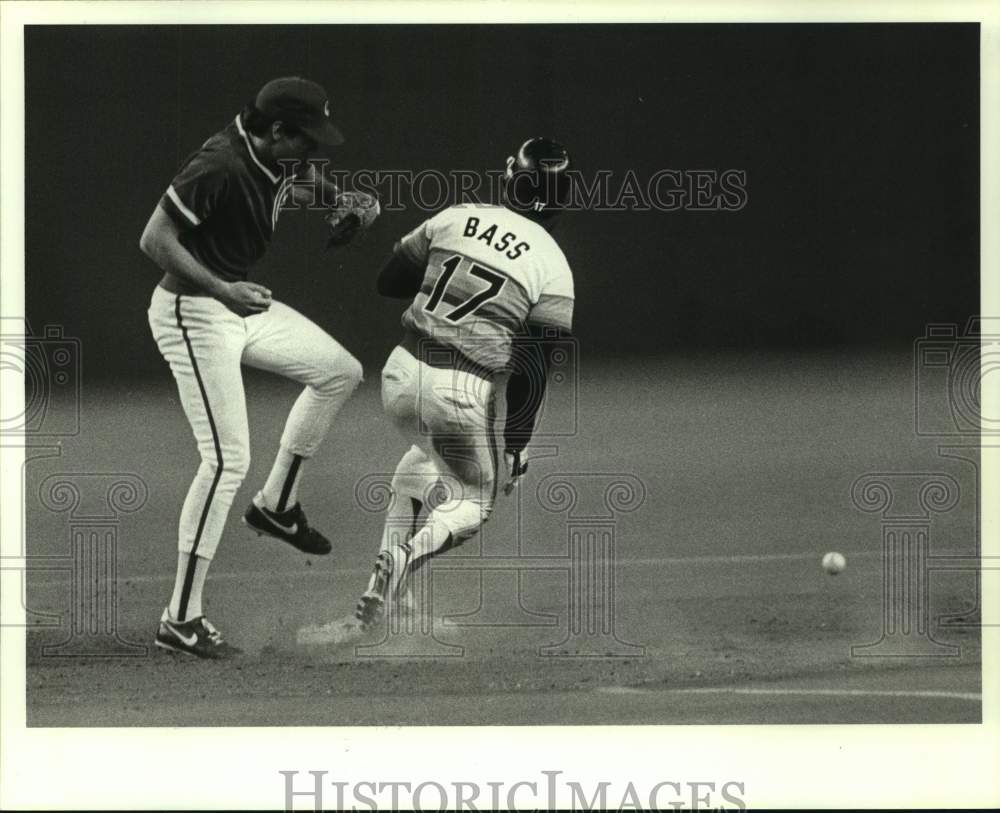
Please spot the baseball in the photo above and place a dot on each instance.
(834, 563)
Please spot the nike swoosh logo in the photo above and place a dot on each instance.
(187, 641)
(291, 529)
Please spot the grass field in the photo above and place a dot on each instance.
(746, 463)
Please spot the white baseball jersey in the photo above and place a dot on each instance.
(489, 270)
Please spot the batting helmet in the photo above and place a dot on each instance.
(537, 181)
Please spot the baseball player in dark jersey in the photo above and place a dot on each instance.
(213, 222)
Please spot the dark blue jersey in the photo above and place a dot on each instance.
(226, 201)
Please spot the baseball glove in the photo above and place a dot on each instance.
(354, 212)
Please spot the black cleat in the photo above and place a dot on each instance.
(289, 526)
(195, 637)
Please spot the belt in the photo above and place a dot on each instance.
(442, 356)
(173, 285)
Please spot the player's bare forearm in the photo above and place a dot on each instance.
(160, 242)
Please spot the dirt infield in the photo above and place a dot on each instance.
(720, 612)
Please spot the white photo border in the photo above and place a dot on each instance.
(782, 766)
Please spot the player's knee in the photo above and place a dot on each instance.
(342, 376)
(237, 466)
(229, 463)
(412, 486)
(415, 475)
(349, 370)
(474, 480)
(399, 399)
(464, 517)
(401, 410)
(354, 373)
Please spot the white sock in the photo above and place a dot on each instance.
(185, 603)
(282, 487)
(425, 542)
(400, 521)
(400, 525)
(431, 538)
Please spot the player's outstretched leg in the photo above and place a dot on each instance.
(415, 476)
(388, 582)
(454, 411)
(285, 342)
(448, 525)
(401, 524)
(202, 341)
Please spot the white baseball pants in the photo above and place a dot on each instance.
(205, 343)
(449, 416)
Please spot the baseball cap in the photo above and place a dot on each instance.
(302, 104)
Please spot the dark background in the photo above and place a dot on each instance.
(860, 144)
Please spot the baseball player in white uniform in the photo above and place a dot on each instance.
(213, 222)
(487, 283)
